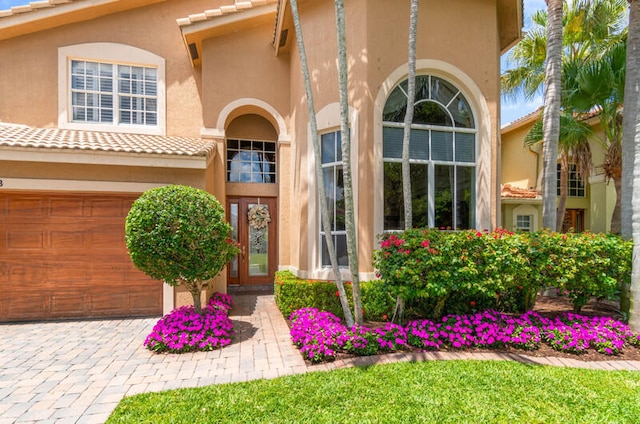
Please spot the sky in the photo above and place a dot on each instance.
(511, 110)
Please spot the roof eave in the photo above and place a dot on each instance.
(217, 22)
(60, 12)
(510, 23)
(100, 157)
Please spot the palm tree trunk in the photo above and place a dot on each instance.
(408, 117)
(324, 210)
(349, 216)
(551, 114)
(562, 201)
(631, 158)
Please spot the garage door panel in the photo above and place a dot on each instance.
(143, 303)
(25, 207)
(25, 305)
(19, 273)
(106, 208)
(66, 240)
(66, 208)
(25, 239)
(68, 304)
(72, 256)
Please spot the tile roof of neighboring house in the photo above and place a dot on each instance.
(510, 192)
(238, 6)
(33, 6)
(12, 135)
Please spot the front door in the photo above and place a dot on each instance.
(254, 223)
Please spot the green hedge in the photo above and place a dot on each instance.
(431, 267)
(292, 293)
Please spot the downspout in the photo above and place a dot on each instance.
(537, 164)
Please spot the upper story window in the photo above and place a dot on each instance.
(111, 87)
(251, 161)
(113, 93)
(442, 156)
(575, 186)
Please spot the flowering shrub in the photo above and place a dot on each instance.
(184, 330)
(320, 335)
(462, 271)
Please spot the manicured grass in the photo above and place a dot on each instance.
(425, 392)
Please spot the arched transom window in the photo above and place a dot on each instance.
(442, 156)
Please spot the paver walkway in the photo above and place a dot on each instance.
(78, 371)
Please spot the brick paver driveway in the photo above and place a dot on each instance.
(78, 371)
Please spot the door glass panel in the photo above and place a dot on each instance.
(258, 240)
(233, 221)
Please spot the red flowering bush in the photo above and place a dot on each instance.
(471, 270)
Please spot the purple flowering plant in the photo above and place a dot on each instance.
(321, 336)
(184, 330)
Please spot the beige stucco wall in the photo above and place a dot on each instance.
(29, 63)
(520, 166)
(461, 34)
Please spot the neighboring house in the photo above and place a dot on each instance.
(101, 100)
(589, 206)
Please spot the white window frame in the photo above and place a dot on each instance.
(526, 210)
(328, 119)
(431, 163)
(113, 53)
(334, 166)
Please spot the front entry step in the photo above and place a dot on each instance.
(234, 289)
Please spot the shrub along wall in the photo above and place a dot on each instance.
(292, 293)
(435, 267)
(444, 272)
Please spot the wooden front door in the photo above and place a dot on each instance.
(254, 224)
(573, 221)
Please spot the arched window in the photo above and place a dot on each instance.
(442, 156)
(250, 161)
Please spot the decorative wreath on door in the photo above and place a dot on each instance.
(259, 217)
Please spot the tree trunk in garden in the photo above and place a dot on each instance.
(631, 159)
(406, 139)
(350, 224)
(630, 113)
(324, 210)
(408, 117)
(551, 114)
(562, 200)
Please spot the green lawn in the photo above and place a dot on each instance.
(425, 392)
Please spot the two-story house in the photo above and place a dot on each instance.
(101, 100)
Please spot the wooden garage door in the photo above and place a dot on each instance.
(64, 256)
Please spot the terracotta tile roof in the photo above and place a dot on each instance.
(33, 6)
(12, 135)
(238, 6)
(510, 192)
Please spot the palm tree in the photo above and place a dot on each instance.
(408, 116)
(551, 113)
(324, 210)
(631, 159)
(408, 120)
(573, 147)
(350, 225)
(598, 85)
(592, 31)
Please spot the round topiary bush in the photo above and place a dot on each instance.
(179, 234)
